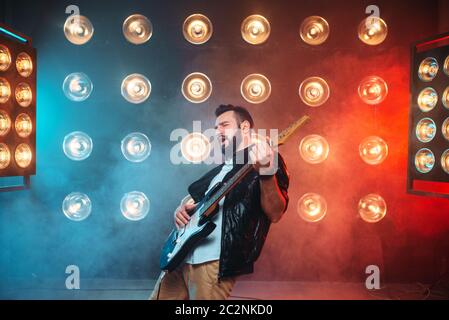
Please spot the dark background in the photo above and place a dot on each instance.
(410, 244)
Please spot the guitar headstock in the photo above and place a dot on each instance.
(286, 133)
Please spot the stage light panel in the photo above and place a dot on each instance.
(428, 137)
(17, 105)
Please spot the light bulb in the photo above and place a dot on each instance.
(24, 95)
(312, 207)
(23, 155)
(5, 123)
(314, 30)
(372, 30)
(373, 90)
(23, 125)
(136, 88)
(135, 205)
(427, 99)
(77, 206)
(137, 29)
(195, 147)
(314, 149)
(424, 160)
(5, 156)
(136, 147)
(372, 208)
(445, 98)
(445, 129)
(373, 150)
(197, 29)
(24, 64)
(77, 146)
(77, 86)
(255, 29)
(196, 87)
(425, 130)
(5, 90)
(428, 69)
(445, 161)
(255, 88)
(314, 91)
(78, 29)
(5, 58)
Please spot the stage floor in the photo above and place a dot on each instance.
(107, 289)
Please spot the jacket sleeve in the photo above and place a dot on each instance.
(283, 179)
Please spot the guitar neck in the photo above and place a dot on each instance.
(228, 186)
(246, 168)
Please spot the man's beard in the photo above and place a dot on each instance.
(229, 150)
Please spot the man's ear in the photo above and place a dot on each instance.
(245, 126)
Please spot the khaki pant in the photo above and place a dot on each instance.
(194, 282)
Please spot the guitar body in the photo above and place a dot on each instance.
(181, 241)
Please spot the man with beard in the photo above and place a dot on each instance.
(243, 218)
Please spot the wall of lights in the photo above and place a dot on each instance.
(429, 117)
(17, 104)
(255, 88)
(115, 83)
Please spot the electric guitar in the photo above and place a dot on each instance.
(181, 241)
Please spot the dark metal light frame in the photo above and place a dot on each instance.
(17, 42)
(435, 180)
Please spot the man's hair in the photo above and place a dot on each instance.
(240, 113)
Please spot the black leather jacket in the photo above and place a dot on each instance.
(244, 225)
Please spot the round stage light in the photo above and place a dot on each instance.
(5, 123)
(136, 147)
(314, 91)
(424, 160)
(77, 86)
(445, 129)
(373, 90)
(428, 69)
(5, 156)
(137, 29)
(24, 95)
(372, 208)
(5, 90)
(197, 29)
(78, 29)
(446, 66)
(445, 98)
(135, 205)
(136, 88)
(255, 88)
(5, 58)
(255, 29)
(445, 161)
(372, 30)
(23, 125)
(77, 206)
(195, 147)
(427, 99)
(24, 64)
(196, 87)
(373, 150)
(312, 207)
(314, 30)
(426, 130)
(314, 149)
(23, 155)
(77, 146)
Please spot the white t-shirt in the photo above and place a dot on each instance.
(209, 248)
